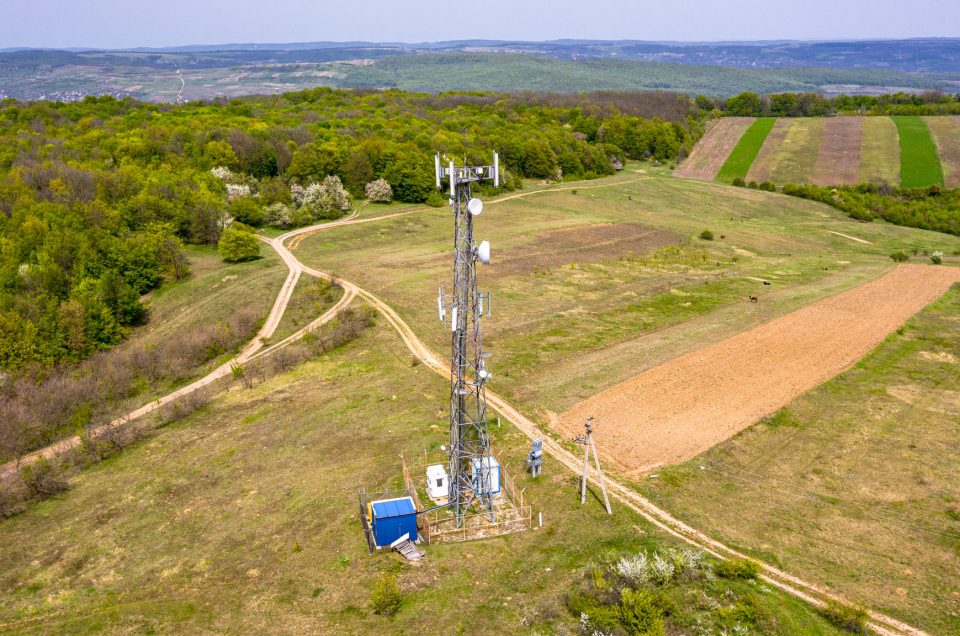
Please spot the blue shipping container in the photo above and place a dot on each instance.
(393, 518)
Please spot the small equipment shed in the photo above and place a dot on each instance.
(393, 518)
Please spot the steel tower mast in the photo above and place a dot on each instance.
(469, 453)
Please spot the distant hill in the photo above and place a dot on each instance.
(716, 69)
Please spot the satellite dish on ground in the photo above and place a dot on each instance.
(475, 206)
(483, 251)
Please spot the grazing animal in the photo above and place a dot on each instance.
(766, 282)
(754, 299)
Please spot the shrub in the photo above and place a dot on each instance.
(900, 256)
(237, 245)
(327, 200)
(635, 569)
(278, 215)
(641, 612)
(849, 619)
(386, 598)
(936, 258)
(767, 186)
(739, 182)
(662, 569)
(753, 185)
(706, 235)
(379, 191)
(738, 569)
(41, 479)
(246, 211)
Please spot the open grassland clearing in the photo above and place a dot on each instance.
(710, 153)
(853, 483)
(880, 151)
(838, 159)
(946, 135)
(311, 298)
(794, 160)
(243, 518)
(919, 163)
(561, 333)
(744, 153)
(680, 409)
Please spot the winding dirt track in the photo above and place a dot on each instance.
(663, 520)
(677, 410)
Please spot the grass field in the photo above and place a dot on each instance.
(946, 134)
(569, 321)
(743, 154)
(879, 155)
(919, 163)
(242, 519)
(853, 483)
(311, 298)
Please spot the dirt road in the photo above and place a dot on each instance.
(679, 409)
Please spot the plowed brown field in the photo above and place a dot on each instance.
(679, 409)
(712, 151)
(838, 160)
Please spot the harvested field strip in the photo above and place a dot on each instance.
(743, 154)
(946, 134)
(760, 170)
(712, 151)
(795, 159)
(838, 160)
(919, 163)
(677, 410)
(879, 151)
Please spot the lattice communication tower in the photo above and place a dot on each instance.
(470, 463)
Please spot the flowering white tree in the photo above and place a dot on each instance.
(278, 215)
(222, 172)
(237, 191)
(297, 193)
(326, 200)
(379, 191)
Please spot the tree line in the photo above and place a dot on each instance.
(751, 104)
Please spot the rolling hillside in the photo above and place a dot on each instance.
(913, 152)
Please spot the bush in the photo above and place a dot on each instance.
(936, 258)
(706, 235)
(237, 245)
(278, 215)
(849, 619)
(900, 256)
(753, 185)
(738, 569)
(739, 182)
(767, 186)
(386, 598)
(379, 191)
(246, 211)
(641, 612)
(41, 479)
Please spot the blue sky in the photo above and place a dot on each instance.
(128, 23)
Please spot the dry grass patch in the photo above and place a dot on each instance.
(763, 164)
(880, 151)
(838, 161)
(946, 134)
(796, 157)
(713, 149)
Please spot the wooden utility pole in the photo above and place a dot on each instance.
(587, 441)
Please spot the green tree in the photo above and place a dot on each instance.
(237, 245)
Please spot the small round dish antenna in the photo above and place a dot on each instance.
(483, 251)
(475, 207)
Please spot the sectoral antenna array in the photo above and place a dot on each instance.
(470, 463)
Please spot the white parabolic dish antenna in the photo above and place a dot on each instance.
(483, 251)
(475, 206)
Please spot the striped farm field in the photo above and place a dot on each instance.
(919, 163)
(879, 151)
(838, 160)
(912, 152)
(946, 135)
(712, 151)
(746, 150)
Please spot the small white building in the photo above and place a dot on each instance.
(438, 483)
